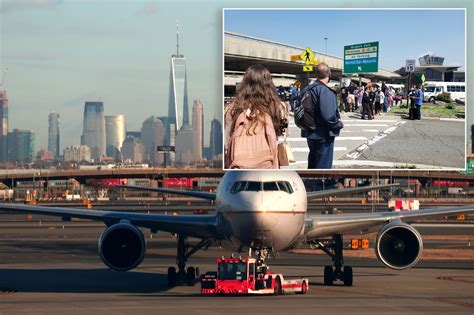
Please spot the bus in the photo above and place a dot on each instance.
(432, 89)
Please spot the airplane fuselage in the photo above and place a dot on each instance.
(262, 209)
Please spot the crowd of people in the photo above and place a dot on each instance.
(369, 100)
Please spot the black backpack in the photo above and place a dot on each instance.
(303, 110)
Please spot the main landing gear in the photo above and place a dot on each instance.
(184, 251)
(334, 249)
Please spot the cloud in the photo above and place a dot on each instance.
(12, 5)
(149, 8)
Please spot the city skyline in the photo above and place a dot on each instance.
(60, 54)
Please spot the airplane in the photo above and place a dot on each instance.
(264, 212)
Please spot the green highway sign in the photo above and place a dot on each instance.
(361, 58)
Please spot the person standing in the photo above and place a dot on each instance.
(253, 122)
(418, 97)
(372, 101)
(344, 94)
(366, 104)
(327, 119)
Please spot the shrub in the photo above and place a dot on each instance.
(449, 106)
(445, 97)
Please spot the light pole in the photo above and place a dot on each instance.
(326, 41)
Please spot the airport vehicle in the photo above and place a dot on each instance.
(263, 212)
(247, 276)
(433, 88)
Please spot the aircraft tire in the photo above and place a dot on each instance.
(347, 276)
(190, 276)
(328, 275)
(172, 276)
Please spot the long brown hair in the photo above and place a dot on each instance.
(258, 93)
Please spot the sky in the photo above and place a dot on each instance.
(402, 34)
(61, 53)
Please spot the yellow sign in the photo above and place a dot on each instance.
(295, 57)
(307, 68)
(423, 78)
(307, 55)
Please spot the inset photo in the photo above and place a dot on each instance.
(344, 89)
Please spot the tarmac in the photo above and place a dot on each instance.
(55, 270)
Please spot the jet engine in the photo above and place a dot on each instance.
(399, 246)
(122, 246)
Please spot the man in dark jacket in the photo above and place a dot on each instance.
(327, 119)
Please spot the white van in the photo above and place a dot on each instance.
(434, 88)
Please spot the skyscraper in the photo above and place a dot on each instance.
(93, 134)
(3, 126)
(215, 143)
(133, 150)
(21, 146)
(197, 129)
(178, 101)
(53, 133)
(77, 153)
(114, 135)
(184, 146)
(153, 135)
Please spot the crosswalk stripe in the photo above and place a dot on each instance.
(365, 125)
(306, 149)
(371, 121)
(281, 139)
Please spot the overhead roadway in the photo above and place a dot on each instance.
(242, 51)
(8, 177)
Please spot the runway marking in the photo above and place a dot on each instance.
(456, 279)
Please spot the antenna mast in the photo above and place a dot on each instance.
(177, 38)
(3, 78)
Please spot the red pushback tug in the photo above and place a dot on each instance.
(245, 276)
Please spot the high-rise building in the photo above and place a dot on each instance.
(215, 142)
(44, 155)
(93, 134)
(197, 129)
(133, 150)
(3, 126)
(53, 133)
(21, 146)
(77, 153)
(472, 139)
(135, 134)
(115, 132)
(184, 146)
(153, 135)
(178, 99)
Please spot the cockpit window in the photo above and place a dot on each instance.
(254, 186)
(285, 186)
(259, 186)
(238, 186)
(270, 186)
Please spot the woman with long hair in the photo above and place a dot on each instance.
(253, 122)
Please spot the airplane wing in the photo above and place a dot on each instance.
(200, 226)
(329, 224)
(335, 192)
(190, 193)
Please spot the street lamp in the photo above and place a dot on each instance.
(326, 41)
